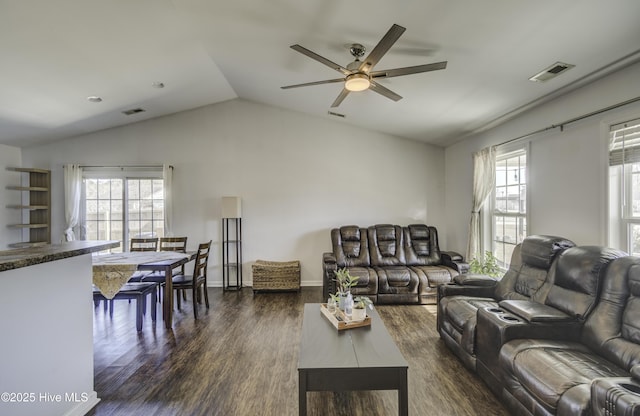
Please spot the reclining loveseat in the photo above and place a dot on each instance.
(526, 279)
(575, 353)
(393, 264)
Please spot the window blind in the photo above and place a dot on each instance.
(624, 143)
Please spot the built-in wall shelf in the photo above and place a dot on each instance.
(35, 186)
(29, 207)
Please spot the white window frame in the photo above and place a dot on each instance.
(490, 212)
(621, 220)
(124, 175)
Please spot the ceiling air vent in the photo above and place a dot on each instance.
(551, 72)
(331, 113)
(133, 111)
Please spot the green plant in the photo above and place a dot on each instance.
(487, 266)
(361, 302)
(345, 280)
(335, 298)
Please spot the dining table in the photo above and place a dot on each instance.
(112, 271)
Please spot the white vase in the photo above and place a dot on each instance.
(358, 315)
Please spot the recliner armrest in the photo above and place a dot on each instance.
(535, 312)
(455, 261)
(472, 279)
(449, 289)
(328, 258)
(329, 267)
(452, 255)
(615, 396)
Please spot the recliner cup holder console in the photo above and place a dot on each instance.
(509, 318)
(503, 314)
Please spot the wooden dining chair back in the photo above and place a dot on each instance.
(178, 244)
(144, 244)
(173, 244)
(197, 280)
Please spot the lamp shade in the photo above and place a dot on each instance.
(231, 207)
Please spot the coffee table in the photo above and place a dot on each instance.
(364, 358)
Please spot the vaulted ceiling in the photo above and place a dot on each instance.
(56, 54)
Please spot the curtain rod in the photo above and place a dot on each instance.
(125, 166)
(573, 120)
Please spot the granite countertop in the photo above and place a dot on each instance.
(24, 257)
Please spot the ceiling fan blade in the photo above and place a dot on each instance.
(381, 48)
(384, 91)
(306, 84)
(387, 73)
(320, 59)
(343, 94)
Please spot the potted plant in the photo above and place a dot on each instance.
(360, 304)
(345, 283)
(487, 266)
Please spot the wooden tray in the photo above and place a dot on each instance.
(340, 321)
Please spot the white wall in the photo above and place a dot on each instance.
(47, 346)
(9, 157)
(567, 169)
(298, 177)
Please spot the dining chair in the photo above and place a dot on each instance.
(197, 280)
(129, 291)
(177, 244)
(142, 244)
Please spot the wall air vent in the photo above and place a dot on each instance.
(133, 111)
(551, 72)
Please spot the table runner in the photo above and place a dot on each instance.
(112, 271)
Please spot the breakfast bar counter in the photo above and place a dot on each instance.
(46, 354)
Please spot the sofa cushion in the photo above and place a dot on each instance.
(578, 276)
(367, 283)
(397, 279)
(528, 276)
(385, 245)
(421, 245)
(612, 329)
(350, 246)
(434, 275)
(540, 250)
(548, 370)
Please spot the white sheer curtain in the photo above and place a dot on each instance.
(167, 175)
(72, 199)
(484, 179)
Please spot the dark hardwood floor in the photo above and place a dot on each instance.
(240, 358)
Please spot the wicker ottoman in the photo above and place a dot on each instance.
(276, 275)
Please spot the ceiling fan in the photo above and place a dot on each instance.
(359, 75)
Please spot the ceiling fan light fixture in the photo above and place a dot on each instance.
(357, 82)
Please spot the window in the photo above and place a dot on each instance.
(509, 204)
(624, 186)
(112, 203)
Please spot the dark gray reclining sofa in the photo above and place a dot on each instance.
(394, 264)
(577, 352)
